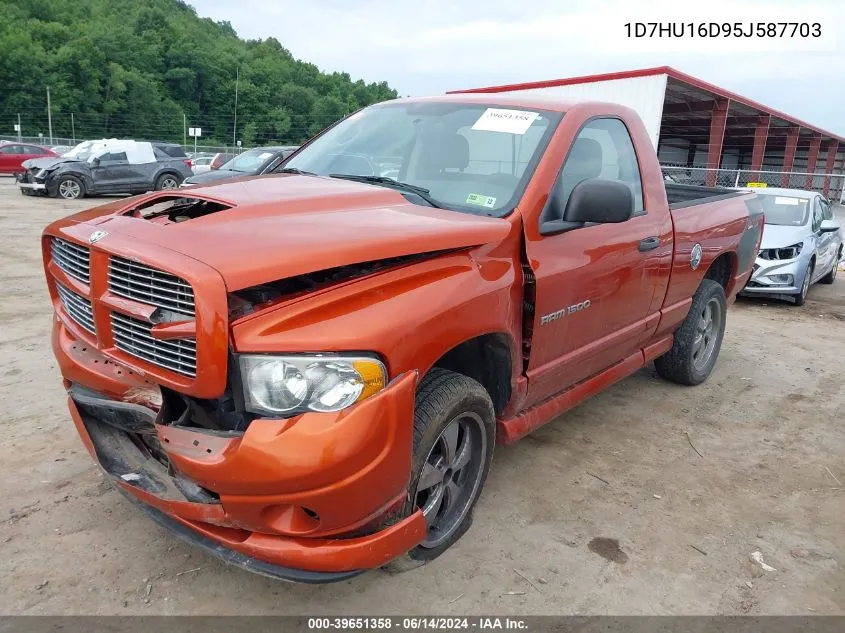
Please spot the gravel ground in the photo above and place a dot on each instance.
(608, 510)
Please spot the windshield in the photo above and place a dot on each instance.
(786, 210)
(471, 158)
(249, 162)
(81, 151)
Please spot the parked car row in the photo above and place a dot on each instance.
(254, 162)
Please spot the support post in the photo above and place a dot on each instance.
(789, 154)
(761, 134)
(49, 115)
(812, 159)
(718, 121)
(832, 149)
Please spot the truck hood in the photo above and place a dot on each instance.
(779, 236)
(283, 226)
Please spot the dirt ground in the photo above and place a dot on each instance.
(768, 426)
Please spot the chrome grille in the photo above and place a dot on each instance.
(133, 337)
(79, 308)
(71, 258)
(149, 285)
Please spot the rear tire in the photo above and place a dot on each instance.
(454, 436)
(166, 182)
(698, 340)
(830, 277)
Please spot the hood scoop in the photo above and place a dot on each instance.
(173, 209)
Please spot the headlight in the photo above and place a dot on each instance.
(787, 252)
(287, 385)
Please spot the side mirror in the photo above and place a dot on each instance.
(593, 200)
(95, 161)
(829, 226)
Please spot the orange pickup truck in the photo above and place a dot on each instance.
(306, 373)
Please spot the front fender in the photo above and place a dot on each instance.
(52, 179)
(410, 316)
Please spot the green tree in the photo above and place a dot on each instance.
(131, 69)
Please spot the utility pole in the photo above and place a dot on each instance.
(184, 130)
(235, 127)
(72, 130)
(49, 116)
(19, 127)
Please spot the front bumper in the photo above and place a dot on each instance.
(763, 281)
(300, 499)
(34, 186)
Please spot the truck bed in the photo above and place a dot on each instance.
(682, 196)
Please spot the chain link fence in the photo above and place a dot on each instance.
(831, 185)
(71, 142)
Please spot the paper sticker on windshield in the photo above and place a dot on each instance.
(483, 201)
(510, 121)
(265, 155)
(792, 201)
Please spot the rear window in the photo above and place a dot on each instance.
(172, 151)
(785, 210)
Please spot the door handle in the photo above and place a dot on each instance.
(649, 243)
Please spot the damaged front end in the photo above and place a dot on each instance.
(315, 498)
(33, 181)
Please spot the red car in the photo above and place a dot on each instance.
(12, 155)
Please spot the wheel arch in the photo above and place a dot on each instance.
(487, 359)
(168, 171)
(722, 270)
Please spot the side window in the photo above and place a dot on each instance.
(603, 149)
(31, 149)
(113, 157)
(818, 214)
(10, 149)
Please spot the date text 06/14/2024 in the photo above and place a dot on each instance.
(417, 623)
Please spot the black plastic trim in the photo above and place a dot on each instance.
(237, 559)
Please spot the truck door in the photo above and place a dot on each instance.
(113, 173)
(598, 288)
(828, 245)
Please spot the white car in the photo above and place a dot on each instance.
(802, 244)
(201, 164)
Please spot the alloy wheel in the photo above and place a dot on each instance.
(706, 333)
(70, 189)
(450, 476)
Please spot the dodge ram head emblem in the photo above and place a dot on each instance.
(695, 256)
(96, 236)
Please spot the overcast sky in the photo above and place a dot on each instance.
(430, 47)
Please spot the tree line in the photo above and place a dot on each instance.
(143, 69)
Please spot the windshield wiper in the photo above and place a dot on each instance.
(422, 192)
(294, 170)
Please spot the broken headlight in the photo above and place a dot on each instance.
(287, 385)
(787, 252)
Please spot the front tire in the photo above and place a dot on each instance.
(800, 298)
(698, 340)
(70, 188)
(454, 436)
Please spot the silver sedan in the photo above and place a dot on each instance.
(802, 244)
